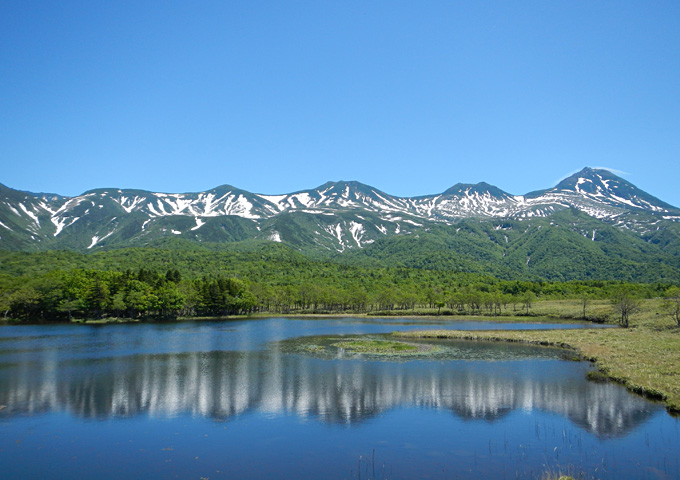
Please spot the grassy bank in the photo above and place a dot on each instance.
(645, 357)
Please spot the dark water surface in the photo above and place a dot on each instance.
(239, 399)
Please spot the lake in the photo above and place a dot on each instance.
(249, 399)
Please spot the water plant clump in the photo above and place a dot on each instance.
(377, 347)
(334, 347)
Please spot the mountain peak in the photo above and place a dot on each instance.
(480, 188)
(347, 188)
(602, 185)
(591, 180)
(341, 184)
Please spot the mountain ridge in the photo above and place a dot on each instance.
(473, 222)
(585, 170)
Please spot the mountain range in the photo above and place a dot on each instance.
(592, 224)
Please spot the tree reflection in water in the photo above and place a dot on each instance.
(223, 384)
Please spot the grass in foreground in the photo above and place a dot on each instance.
(645, 357)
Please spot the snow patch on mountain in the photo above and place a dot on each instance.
(96, 239)
(33, 216)
(128, 203)
(70, 205)
(335, 231)
(581, 181)
(153, 211)
(357, 230)
(177, 203)
(303, 198)
(61, 223)
(207, 200)
(239, 206)
(275, 199)
(47, 208)
(199, 224)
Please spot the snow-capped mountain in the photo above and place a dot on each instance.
(335, 216)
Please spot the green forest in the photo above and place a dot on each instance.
(181, 281)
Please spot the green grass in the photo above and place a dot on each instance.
(376, 347)
(645, 357)
(104, 321)
(546, 311)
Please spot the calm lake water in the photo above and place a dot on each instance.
(247, 399)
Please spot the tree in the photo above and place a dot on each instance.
(69, 306)
(528, 298)
(5, 303)
(672, 303)
(97, 297)
(25, 302)
(624, 304)
(285, 297)
(584, 299)
(385, 298)
(264, 295)
(456, 301)
(139, 298)
(474, 299)
(173, 276)
(358, 298)
(170, 300)
(499, 301)
(118, 305)
(434, 296)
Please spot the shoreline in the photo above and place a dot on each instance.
(517, 319)
(640, 376)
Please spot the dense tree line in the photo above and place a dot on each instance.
(165, 283)
(142, 294)
(151, 294)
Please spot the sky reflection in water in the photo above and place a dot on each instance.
(233, 399)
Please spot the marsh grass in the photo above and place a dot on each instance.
(645, 357)
(105, 321)
(541, 311)
(596, 310)
(376, 347)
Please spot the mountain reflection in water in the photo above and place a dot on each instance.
(222, 384)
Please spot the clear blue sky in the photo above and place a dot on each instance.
(277, 96)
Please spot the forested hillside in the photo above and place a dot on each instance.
(163, 283)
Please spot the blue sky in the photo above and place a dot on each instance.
(273, 97)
